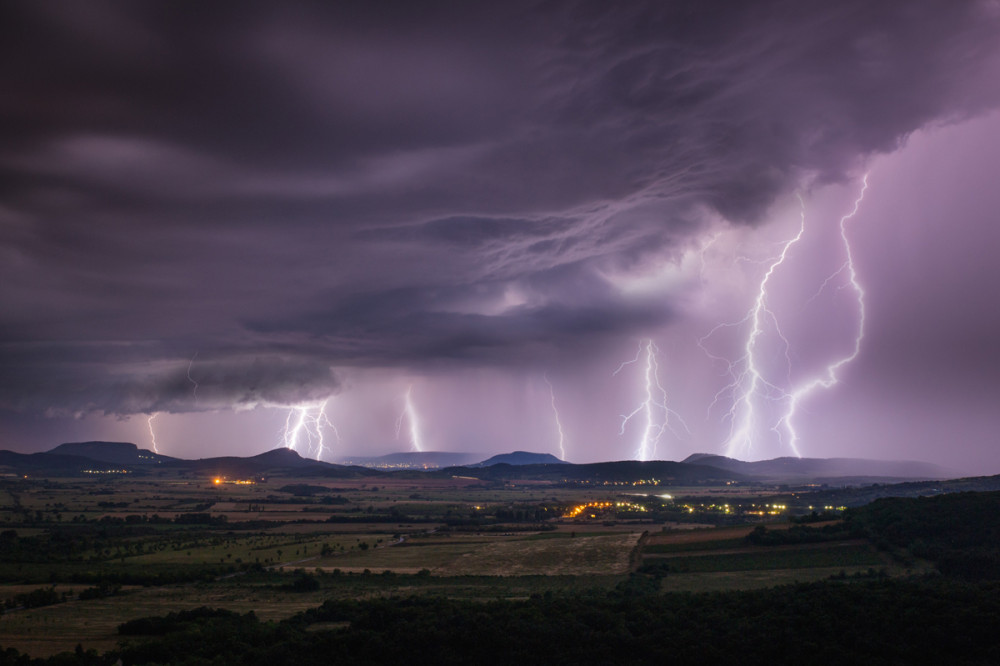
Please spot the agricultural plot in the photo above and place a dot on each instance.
(509, 555)
(722, 559)
(759, 558)
(287, 545)
(575, 556)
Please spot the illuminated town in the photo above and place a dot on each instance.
(221, 480)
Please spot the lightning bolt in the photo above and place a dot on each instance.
(829, 377)
(654, 409)
(194, 391)
(748, 381)
(410, 414)
(152, 433)
(749, 388)
(305, 424)
(555, 412)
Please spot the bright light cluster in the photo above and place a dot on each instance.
(220, 480)
(602, 507)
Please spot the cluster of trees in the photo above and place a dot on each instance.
(798, 534)
(43, 596)
(870, 622)
(959, 532)
(47, 596)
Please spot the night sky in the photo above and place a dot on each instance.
(454, 227)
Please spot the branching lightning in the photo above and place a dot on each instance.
(829, 377)
(304, 425)
(152, 433)
(555, 412)
(749, 388)
(654, 409)
(748, 385)
(410, 414)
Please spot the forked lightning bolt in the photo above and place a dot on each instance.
(410, 414)
(656, 413)
(304, 425)
(748, 384)
(555, 412)
(829, 377)
(751, 391)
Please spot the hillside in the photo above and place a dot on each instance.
(521, 458)
(118, 453)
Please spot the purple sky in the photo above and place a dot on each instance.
(228, 214)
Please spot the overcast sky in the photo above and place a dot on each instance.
(443, 224)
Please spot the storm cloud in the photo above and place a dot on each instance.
(290, 191)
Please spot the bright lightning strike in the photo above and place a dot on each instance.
(304, 425)
(152, 433)
(555, 412)
(749, 387)
(655, 412)
(748, 381)
(410, 414)
(829, 377)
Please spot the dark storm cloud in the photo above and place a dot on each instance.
(63, 379)
(416, 326)
(369, 184)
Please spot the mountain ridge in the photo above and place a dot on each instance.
(789, 467)
(125, 457)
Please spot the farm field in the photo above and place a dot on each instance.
(103, 552)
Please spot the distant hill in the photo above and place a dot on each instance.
(45, 463)
(412, 460)
(118, 453)
(624, 471)
(823, 469)
(521, 458)
(863, 494)
(81, 458)
(84, 457)
(280, 460)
